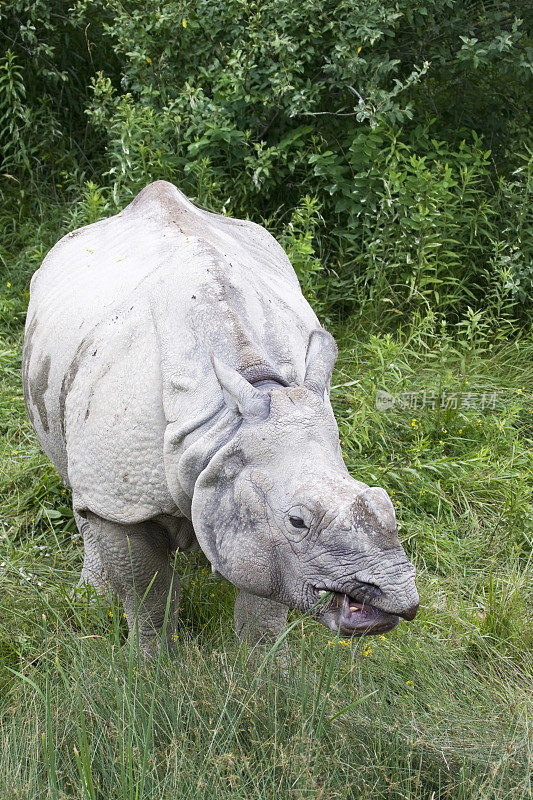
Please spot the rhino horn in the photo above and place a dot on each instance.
(239, 395)
(379, 505)
(319, 362)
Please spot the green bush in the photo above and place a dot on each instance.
(406, 122)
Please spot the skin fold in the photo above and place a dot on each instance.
(179, 381)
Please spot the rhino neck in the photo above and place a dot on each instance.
(188, 451)
(189, 447)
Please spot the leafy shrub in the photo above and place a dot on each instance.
(390, 115)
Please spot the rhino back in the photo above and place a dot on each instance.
(123, 316)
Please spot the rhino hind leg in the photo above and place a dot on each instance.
(258, 620)
(135, 565)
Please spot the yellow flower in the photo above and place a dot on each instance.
(184, 22)
(148, 60)
(174, 637)
(409, 683)
(460, 430)
(8, 285)
(383, 638)
(111, 614)
(212, 595)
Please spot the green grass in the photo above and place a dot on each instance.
(439, 708)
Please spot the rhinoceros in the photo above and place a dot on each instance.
(179, 381)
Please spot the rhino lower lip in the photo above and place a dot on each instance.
(352, 617)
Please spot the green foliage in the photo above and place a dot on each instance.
(423, 223)
(407, 122)
(298, 240)
(14, 116)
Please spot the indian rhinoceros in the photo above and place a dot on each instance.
(179, 381)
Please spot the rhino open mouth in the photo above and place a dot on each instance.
(351, 617)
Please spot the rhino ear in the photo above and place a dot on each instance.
(319, 362)
(239, 395)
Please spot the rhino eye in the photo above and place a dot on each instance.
(297, 522)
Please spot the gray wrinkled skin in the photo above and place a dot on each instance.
(179, 381)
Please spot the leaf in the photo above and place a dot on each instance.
(350, 705)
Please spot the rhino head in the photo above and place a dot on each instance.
(279, 516)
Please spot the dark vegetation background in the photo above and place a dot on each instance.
(388, 147)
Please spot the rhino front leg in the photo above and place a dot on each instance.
(258, 620)
(92, 572)
(135, 562)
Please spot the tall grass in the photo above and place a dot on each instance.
(439, 708)
(403, 716)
